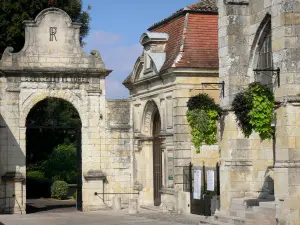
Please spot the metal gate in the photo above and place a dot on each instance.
(201, 206)
(157, 160)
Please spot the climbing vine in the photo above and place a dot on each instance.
(202, 116)
(254, 108)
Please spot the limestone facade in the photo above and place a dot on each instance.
(52, 64)
(171, 69)
(250, 166)
(117, 136)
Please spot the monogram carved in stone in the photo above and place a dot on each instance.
(53, 31)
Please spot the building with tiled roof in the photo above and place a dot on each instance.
(180, 55)
(189, 45)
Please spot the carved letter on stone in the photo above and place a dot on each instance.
(53, 31)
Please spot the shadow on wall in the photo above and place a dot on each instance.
(12, 167)
(267, 189)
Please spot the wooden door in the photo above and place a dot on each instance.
(157, 160)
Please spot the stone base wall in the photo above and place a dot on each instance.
(116, 159)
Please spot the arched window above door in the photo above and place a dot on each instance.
(265, 60)
(264, 69)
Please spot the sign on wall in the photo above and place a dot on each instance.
(210, 180)
(197, 184)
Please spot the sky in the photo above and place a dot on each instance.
(116, 28)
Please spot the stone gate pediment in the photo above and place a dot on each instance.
(51, 41)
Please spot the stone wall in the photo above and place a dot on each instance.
(117, 158)
(242, 25)
(50, 67)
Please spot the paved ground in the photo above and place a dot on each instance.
(107, 217)
(44, 205)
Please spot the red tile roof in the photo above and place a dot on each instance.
(201, 6)
(193, 37)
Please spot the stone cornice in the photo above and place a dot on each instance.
(279, 102)
(288, 99)
(236, 2)
(187, 72)
(13, 176)
(168, 191)
(52, 71)
(287, 164)
(237, 162)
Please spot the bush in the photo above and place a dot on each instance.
(75, 195)
(59, 190)
(62, 164)
(254, 110)
(202, 115)
(35, 174)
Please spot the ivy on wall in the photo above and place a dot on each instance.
(202, 116)
(254, 108)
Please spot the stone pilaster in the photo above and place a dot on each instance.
(236, 163)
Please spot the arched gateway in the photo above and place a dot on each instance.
(51, 64)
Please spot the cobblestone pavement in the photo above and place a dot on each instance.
(107, 217)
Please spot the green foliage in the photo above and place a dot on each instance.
(254, 110)
(62, 164)
(35, 174)
(262, 113)
(203, 101)
(51, 112)
(54, 112)
(38, 166)
(59, 190)
(13, 13)
(74, 195)
(242, 105)
(202, 116)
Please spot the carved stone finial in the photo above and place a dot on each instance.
(8, 51)
(96, 54)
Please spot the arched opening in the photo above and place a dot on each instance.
(265, 59)
(157, 158)
(53, 157)
(261, 56)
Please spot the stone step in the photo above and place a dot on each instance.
(258, 216)
(265, 212)
(262, 210)
(212, 223)
(270, 205)
(234, 220)
(248, 204)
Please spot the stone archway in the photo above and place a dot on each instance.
(58, 68)
(152, 142)
(53, 131)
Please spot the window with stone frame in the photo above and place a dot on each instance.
(264, 72)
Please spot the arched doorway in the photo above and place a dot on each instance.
(53, 153)
(157, 158)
